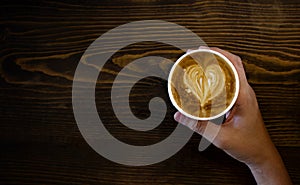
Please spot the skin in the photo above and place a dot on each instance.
(243, 134)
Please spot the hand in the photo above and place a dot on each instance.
(243, 134)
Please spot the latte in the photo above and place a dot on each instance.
(203, 84)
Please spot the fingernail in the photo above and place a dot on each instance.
(177, 116)
(203, 47)
(227, 114)
(189, 50)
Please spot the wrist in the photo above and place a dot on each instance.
(270, 171)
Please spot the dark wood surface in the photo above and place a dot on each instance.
(41, 45)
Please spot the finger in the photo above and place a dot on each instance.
(191, 123)
(238, 64)
(200, 47)
(189, 50)
(207, 129)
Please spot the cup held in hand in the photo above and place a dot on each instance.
(203, 84)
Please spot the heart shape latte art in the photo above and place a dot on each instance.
(204, 84)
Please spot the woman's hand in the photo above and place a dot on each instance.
(243, 134)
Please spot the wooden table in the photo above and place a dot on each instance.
(43, 41)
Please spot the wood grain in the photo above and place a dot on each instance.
(43, 41)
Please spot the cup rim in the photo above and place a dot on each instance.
(237, 86)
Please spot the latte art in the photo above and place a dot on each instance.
(203, 84)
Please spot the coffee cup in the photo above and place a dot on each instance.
(203, 84)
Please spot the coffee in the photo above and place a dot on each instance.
(203, 84)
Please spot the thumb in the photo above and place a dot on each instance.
(207, 129)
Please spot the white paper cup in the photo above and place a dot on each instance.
(237, 85)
